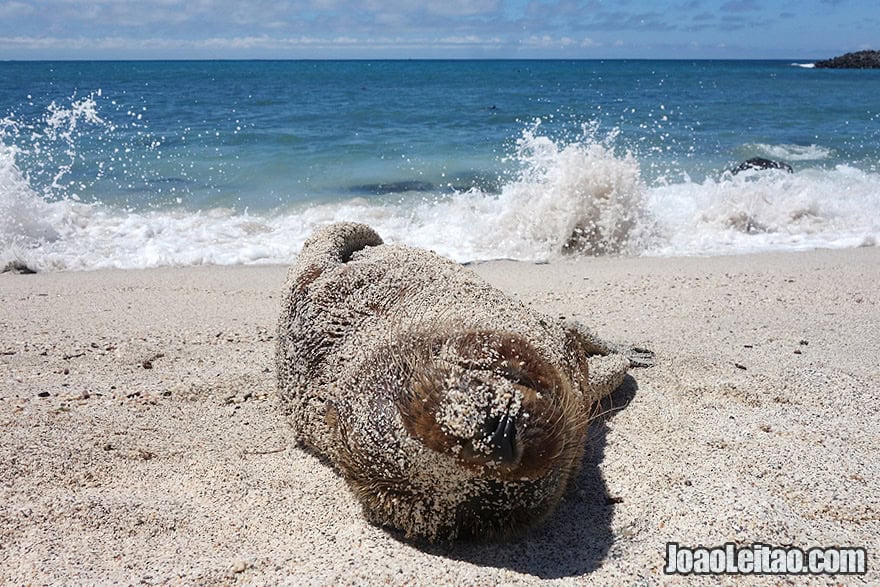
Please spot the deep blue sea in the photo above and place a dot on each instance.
(141, 164)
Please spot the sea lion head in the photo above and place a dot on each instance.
(493, 402)
(481, 435)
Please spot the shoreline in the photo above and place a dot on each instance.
(160, 454)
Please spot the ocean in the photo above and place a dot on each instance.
(146, 164)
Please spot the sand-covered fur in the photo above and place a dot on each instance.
(186, 473)
(450, 408)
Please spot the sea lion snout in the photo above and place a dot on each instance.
(496, 445)
(490, 401)
(503, 439)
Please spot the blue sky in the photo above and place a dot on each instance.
(316, 29)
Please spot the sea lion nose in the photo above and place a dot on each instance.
(502, 441)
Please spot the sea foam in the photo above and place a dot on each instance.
(787, 152)
(767, 210)
(581, 196)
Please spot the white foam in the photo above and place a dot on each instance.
(26, 220)
(561, 186)
(804, 65)
(767, 210)
(788, 152)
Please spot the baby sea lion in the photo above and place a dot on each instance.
(451, 409)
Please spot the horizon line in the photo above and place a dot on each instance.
(366, 59)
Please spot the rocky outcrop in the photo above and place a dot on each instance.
(858, 60)
(18, 267)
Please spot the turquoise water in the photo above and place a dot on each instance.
(134, 164)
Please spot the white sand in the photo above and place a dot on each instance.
(184, 472)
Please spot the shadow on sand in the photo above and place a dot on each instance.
(576, 538)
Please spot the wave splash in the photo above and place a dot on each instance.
(767, 210)
(574, 197)
(788, 152)
(579, 196)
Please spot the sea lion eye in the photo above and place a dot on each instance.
(515, 372)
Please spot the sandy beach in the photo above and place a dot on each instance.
(141, 440)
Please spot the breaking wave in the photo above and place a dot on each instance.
(793, 152)
(580, 196)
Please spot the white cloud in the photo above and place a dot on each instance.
(351, 28)
(201, 15)
(536, 41)
(553, 42)
(247, 43)
(15, 9)
(471, 40)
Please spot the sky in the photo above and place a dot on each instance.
(444, 29)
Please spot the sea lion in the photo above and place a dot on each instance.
(451, 409)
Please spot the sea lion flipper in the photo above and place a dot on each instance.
(593, 346)
(597, 370)
(607, 374)
(604, 363)
(335, 244)
(639, 357)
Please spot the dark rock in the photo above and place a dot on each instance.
(383, 189)
(18, 267)
(857, 60)
(760, 163)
